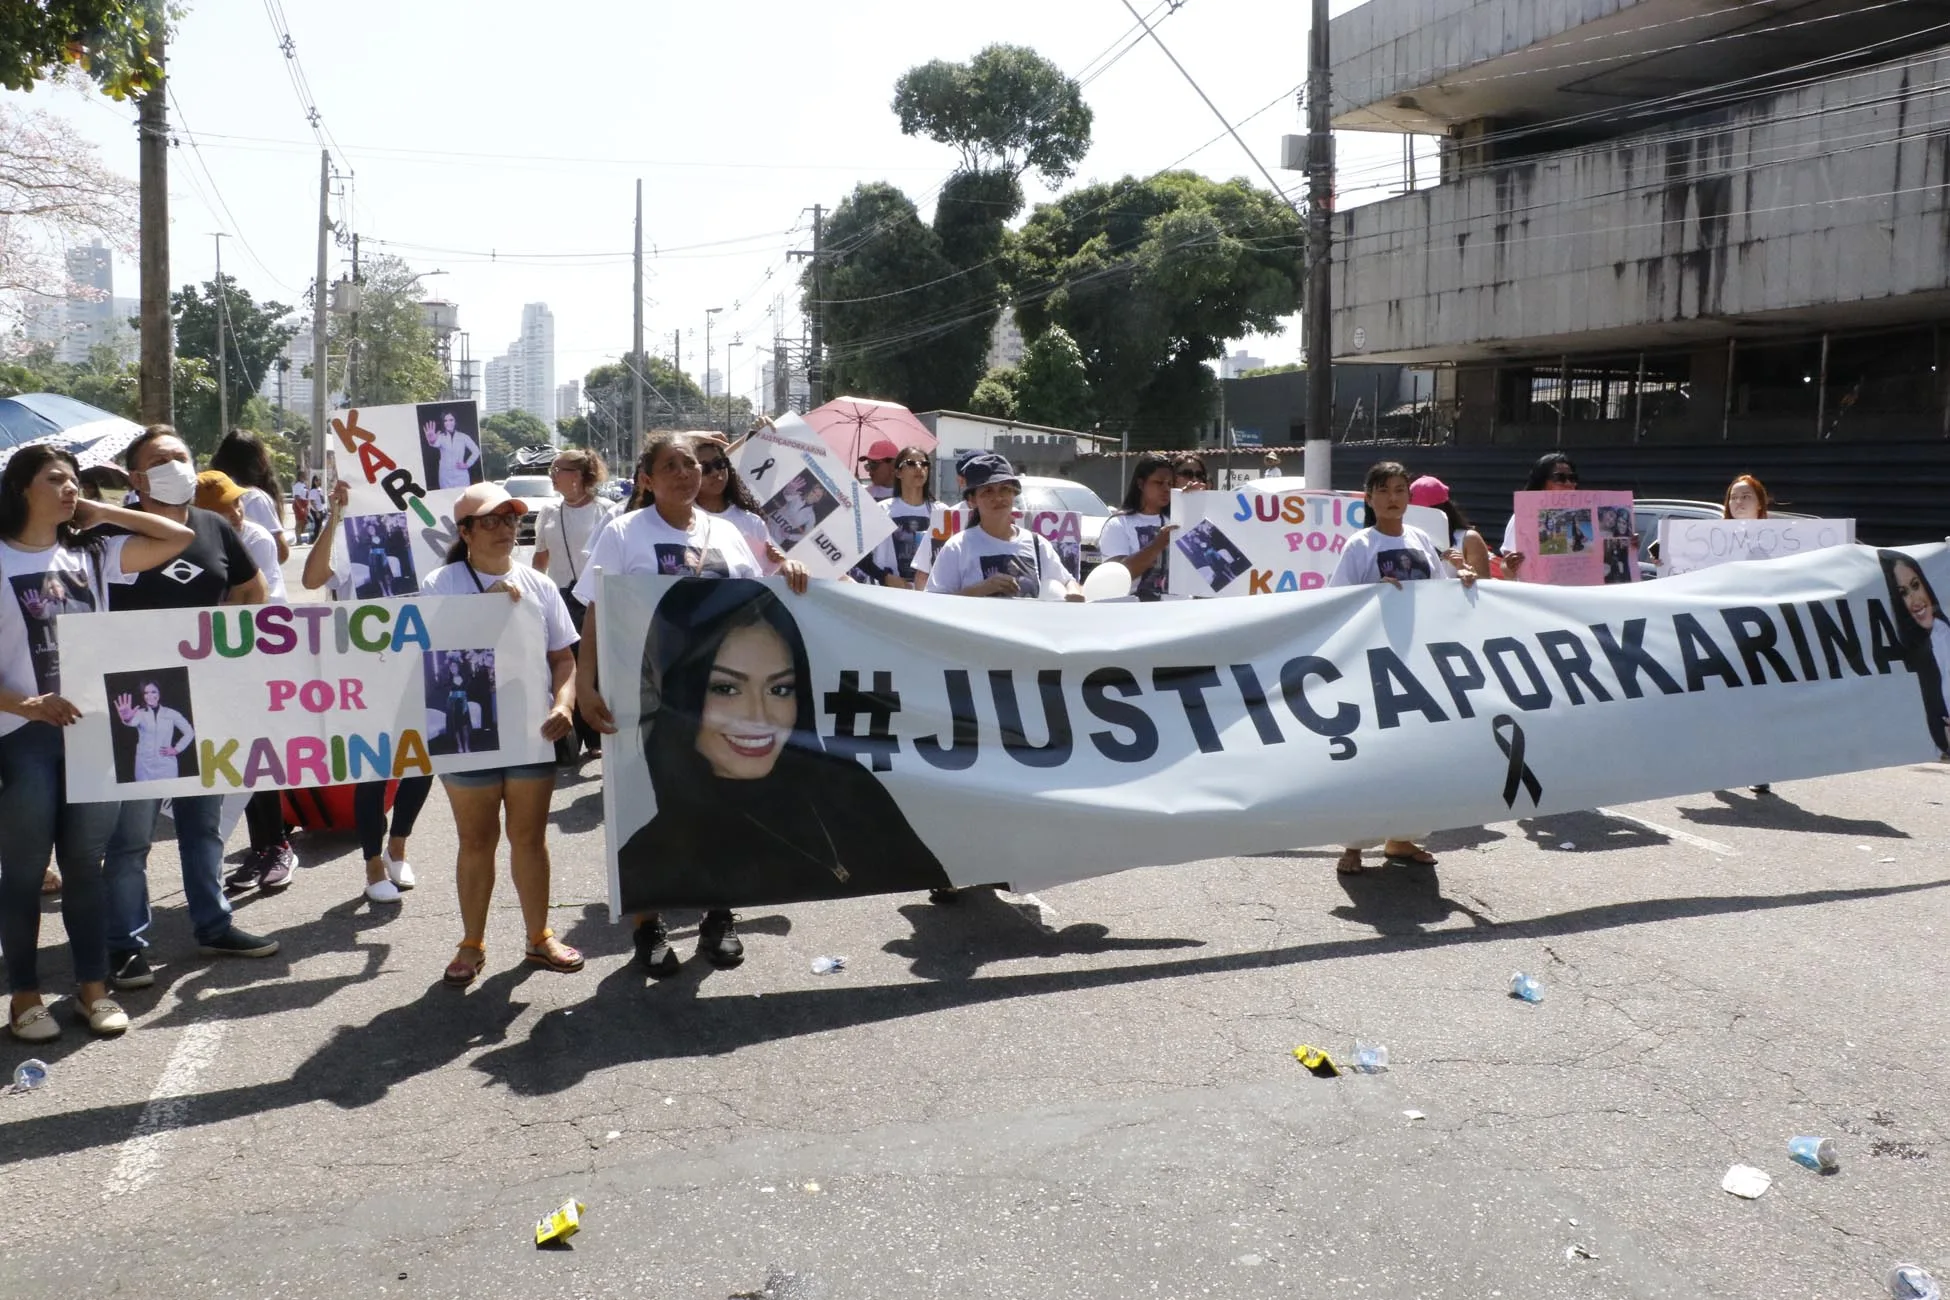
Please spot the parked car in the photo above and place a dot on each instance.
(537, 491)
(1647, 512)
(1061, 494)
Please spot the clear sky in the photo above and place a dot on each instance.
(500, 142)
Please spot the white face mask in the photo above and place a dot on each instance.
(171, 483)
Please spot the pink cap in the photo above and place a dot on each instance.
(1428, 491)
(884, 449)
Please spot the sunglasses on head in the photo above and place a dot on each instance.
(912, 464)
(718, 465)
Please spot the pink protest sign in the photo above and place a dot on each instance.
(1576, 539)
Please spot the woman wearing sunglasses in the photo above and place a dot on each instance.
(905, 556)
(724, 493)
(1553, 472)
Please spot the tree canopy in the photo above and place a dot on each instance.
(110, 41)
(396, 361)
(1008, 109)
(1151, 277)
(255, 336)
(54, 194)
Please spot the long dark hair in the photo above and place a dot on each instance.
(927, 483)
(1540, 473)
(21, 471)
(1458, 521)
(1917, 651)
(737, 492)
(243, 456)
(1148, 463)
(691, 623)
(641, 496)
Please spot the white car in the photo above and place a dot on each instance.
(1062, 494)
(538, 491)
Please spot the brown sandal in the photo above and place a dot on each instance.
(560, 958)
(460, 973)
(1350, 863)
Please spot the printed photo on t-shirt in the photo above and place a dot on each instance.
(43, 597)
(908, 532)
(690, 561)
(460, 702)
(797, 508)
(155, 724)
(381, 551)
(1402, 564)
(1216, 557)
(1151, 583)
(1022, 570)
(450, 445)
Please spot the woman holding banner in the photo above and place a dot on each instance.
(1745, 499)
(1188, 473)
(388, 873)
(1138, 535)
(481, 561)
(996, 556)
(722, 492)
(669, 535)
(48, 570)
(1925, 637)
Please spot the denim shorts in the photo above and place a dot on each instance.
(481, 778)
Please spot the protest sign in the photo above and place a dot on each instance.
(391, 457)
(1576, 539)
(388, 554)
(1689, 544)
(1253, 542)
(260, 697)
(917, 742)
(818, 513)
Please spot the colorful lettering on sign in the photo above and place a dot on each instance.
(312, 760)
(234, 633)
(381, 470)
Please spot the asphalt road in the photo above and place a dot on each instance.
(978, 1107)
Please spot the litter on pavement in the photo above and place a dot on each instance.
(556, 1229)
(1746, 1182)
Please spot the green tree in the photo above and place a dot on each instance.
(996, 395)
(496, 452)
(1150, 277)
(1054, 387)
(517, 428)
(253, 335)
(1007, 109)
(395, 360)
(111, 41)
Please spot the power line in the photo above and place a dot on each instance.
(236, 227)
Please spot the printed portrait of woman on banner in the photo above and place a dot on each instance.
(750, 807)
(1926, 639)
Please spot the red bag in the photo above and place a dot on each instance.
(327, 808)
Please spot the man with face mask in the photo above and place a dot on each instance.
(216, 569)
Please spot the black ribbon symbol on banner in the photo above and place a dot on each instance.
(1519, 773)
(759, 473)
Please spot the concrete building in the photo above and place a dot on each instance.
(1659, 223)
(87, 315)
(498, 385)
(1005, 341)
(1232, 367)
(568, 400)
(294, 364)
(523, 377)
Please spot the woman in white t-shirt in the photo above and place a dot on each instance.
(46, 570)
(996, 556)
(721, 492)
(564, 534)
(481, 561)
(1139, 534)
(1393, 551)
(1553, 472)
(904, 557)
(668, 535)
(244, 458)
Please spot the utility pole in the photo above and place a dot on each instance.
(223, 310)
(816, 357)
(677, 366)
(636, 316)
(352, 343)
(1320, 287)
(709, 312)
(320, 304)
(152, 140)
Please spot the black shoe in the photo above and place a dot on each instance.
(653, 951)
(247, 875)
(129, 970)
(717, 940)
(944, 897)
(238, 943)
(278, 862)
(1761, 789)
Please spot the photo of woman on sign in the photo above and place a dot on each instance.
(1926, 639)
(750, 807)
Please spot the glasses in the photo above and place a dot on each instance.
(718, 466)
(870, 462)
(911, 464)
(493, 523)
(1562, 477)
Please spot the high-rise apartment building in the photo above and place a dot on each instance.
(87, 315)
(523, 377)
(568, 400)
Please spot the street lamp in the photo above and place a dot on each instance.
(733, 342)
(709, 312)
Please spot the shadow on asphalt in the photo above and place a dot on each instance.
(624, 1022)
(1773, 813)
(1400, 900)
(1589, 832)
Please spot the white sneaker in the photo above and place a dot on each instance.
(383, 891)
(102, 1016)
(35, 1025)
(400, 873)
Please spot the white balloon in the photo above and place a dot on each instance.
(1108, 581)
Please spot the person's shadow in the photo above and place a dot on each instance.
(1772, 812)
(954, 942)
(1400, 899)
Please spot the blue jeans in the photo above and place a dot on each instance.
(127, 869)
(38, 821)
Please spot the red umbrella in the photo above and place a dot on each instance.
(852, 426)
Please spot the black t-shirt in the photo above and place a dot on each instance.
(201, 576)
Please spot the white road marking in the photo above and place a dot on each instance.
(1684, 837)
(169, 1106)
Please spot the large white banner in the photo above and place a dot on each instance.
(1689, 544)
(1256, 542)
(259, 697)
(853, 740)
(819, 514)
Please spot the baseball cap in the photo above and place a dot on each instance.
(882, 449)
(215, 490)
(986, 467)
(1428, 491)
(487, 499)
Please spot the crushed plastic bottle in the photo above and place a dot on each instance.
(1527, 987)
(1370, 1058)
(827, 965)
(1911, 1282)
(29, 1075)
(1816, 1153)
